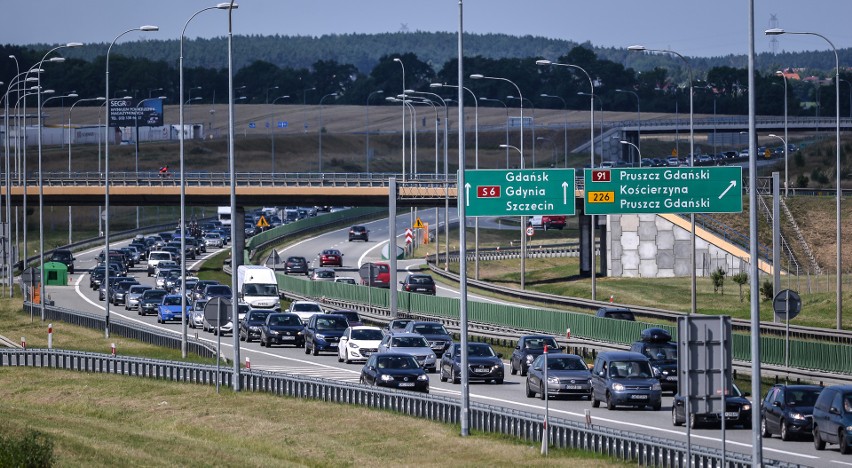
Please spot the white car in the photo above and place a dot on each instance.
(213, 239)
(358, 343)
(345, 279)
(305, 309)
(323, 274)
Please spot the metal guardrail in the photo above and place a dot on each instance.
(643, 449)
(131, 330)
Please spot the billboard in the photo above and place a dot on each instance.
(123, 112)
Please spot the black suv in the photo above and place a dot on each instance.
(788, 410)
(64, 256)
(656, 344)
(296, 265)
(528, 348)
(359, 233)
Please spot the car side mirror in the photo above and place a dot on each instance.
(518, 347)
(499, 355)
(776, 403)
(537, 367)
(602, 373)
(833, 410)
(745, 394)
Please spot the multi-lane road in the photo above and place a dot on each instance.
(510, 394)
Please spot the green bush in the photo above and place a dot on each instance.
(741, 279)
(802, 181)
(32, 449)
(718, 278)
(766, 290)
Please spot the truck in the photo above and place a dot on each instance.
(375, 274)
(224, 213)
(257, 286)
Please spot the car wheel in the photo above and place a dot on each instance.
(159, 320)
(456, 378)
(844, 443)
(242, 338)
(657, 406)
(139, 312)
(610, 405)
(523, 371)
(595, 402)
(542, 395)
(314, 349)
(248, 338)
(307, 351)
(764, 430)
(819, 444)
(693, 421)
(513, 371)
(262, 343)
(499, 381)
(441, 375)
(346, 357)
(785, 434)
(675, 421)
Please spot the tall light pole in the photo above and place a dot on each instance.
(367, 127)
(182, 137)
(786, 149)
(273, 131)
(552, 147)
(485, 99)
(70, 221)
(319, 130)
(402, 65)
(591, 152)
(564, 127)
(305, 95)
(778, 31)
(268, 88)
(638, 118)
(478, 76)
(638, 151)
(42, 297)
(236, 255)
(146, 28)
(641, 48)
(521, 99)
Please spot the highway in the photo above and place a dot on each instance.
(511, 394)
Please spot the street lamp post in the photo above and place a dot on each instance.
(70, 109)
(267, 92)
(786, 149)
(146, 28)
(367, 128)
(640, 48)
(839, 279)
(305, 94)
(402, 65)
(273, 130)
(182, 137)
(784, 141)
(533, 123)
(552, 147)
(478, 76)
(638, 119)
(591, 153)
(638, 151)
(319, 130)
(564, 127)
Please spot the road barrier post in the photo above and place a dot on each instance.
(50, 336)
(23, 342)
(112, 348)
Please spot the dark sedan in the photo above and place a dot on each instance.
(296, 265)
(395, 370)
(737, 412)
(483, 364)
(284, 328)
(250, 325)
(530, 347)
(438, 337)
(418, 283)
(150, 301)
(788, 410)
(567, 375)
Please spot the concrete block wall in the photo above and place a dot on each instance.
(650, 246)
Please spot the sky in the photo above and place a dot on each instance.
(690, 27)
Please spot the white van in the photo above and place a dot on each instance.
(257, 286)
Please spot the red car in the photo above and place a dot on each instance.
(331, 257)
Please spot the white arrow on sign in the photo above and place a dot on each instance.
(730, 186)
(564, 193)
(466, 194)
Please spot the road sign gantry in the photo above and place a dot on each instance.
(663, 190)
(520, 192)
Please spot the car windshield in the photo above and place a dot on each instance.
(258, 316)
(325, 274)
(218, 290)
(366, 334)
(421, 280)
(630, 369)
(350, 316)
(566, 363)
(307, 307)
(431, 329)
(396, 362)
(538, 343)
(661, 352)
(285, 320)
(409, 342)
(260, 290)
(399, 324)
(296, 260)
(61, 256)
(330, 252)
(480, 350)
(154, 294)
(171, 300)
(332, 323)
(802, 397)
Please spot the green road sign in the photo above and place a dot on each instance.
(521, 192)
(663, 190)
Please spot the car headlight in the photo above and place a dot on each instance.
(656, 386)
(618, 387)
(274, 332)
(530, 358)
(254, 328)
(431, 356)
(746, 407)
(423, 377)
(496, 366)
(386, 378)
(553, 380)
(849, 428)
(353, 345)
(319, 337)
(797, 416)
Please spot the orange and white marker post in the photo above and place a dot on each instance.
(248, 362)
(24, 342)
(567, 333)
(112, 348)
(50, 336)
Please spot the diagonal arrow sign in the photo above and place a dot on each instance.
(466, 194)
(730, 186)
(565, 193)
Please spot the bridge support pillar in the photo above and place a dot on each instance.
(239, 234)
(585, 241)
